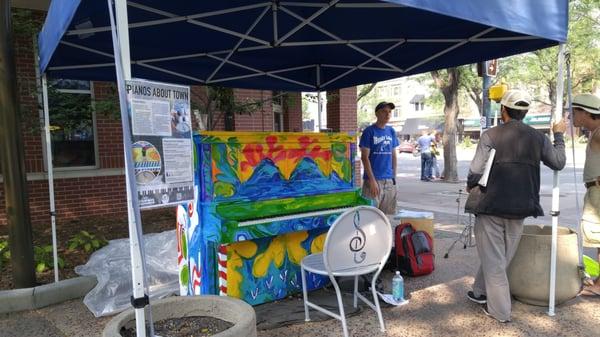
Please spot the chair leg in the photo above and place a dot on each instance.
(376, 301)
(355, 290)
(338, 293)
(304, 294)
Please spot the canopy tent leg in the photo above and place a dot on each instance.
(136, 244)
(319, 110)
(50, 168)
(571, 127)
(555, 188)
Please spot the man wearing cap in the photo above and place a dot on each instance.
(378, 157)
(511, 195)
(586, 114)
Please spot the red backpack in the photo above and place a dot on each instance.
(414, 251)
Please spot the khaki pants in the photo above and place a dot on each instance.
(590, 221)
(386, 199)
(497, 241)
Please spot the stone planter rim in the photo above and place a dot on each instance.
(243, 317)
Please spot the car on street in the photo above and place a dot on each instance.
(406, 147)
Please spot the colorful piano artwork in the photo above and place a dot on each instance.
(263, 201)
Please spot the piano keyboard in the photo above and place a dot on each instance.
(293, 216)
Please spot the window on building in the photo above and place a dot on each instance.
(278, 111)
(416, 106)
(72, 123)
(395, 112)
(422, 106)
(396, 90)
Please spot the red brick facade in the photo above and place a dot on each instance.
(342, 117)
(292, 112)
(261, 120)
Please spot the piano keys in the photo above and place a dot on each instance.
(262, 202)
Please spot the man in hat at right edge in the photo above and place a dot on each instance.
(586, 113)
(511, 194)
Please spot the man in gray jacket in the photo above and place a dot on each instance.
(511, 195)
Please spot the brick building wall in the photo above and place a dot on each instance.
(292, 112)
(342, 117)
(261, 120)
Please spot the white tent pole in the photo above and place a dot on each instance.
(123, 30)
(319, 110)
(50, 168)
(123, 71)
(555, 189)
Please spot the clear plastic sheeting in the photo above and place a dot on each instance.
(111, 265)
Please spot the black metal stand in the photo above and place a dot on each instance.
(466, 237)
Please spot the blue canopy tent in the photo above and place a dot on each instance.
(295, 45)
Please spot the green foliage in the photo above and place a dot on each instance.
(4, 253)
(467, 142)
(24, 22)
(86, 241)
(69, 112)
(44, 259)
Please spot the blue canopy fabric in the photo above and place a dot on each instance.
(295, 45)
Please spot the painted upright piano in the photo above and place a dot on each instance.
(263, 201)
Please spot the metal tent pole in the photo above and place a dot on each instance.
(319, 110)
(140, 300)
(50, 167)
(555, 188)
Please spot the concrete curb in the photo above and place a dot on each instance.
(44, 295)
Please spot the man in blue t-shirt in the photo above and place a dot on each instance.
(377, 145)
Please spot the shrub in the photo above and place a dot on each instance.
(89, 242)
(44, 259)
(467, 143)
(4, 253)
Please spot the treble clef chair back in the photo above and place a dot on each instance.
(359, 242)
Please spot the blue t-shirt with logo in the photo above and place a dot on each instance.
(381, 143)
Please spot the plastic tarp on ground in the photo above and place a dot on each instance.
(291, 45)
(111, 265)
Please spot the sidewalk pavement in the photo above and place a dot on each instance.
(438, 307)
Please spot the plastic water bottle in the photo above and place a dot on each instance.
(398, 287)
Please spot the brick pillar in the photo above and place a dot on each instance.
(341, 110)
(342, 117)
(292, 112)
(260, 120)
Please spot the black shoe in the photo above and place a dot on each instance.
(485, 311)
(481, 299)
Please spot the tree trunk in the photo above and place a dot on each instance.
(449, 88)
(450, 92)
(450, 132)
(476, 97)
(552, 96)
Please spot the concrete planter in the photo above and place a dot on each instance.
(529, 271)
(229, 309)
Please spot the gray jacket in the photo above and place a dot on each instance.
(514, 181)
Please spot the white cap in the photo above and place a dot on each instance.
(512, 97)
(587, 102)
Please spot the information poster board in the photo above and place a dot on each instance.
(161, 128)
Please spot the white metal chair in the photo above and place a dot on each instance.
(358, 243)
